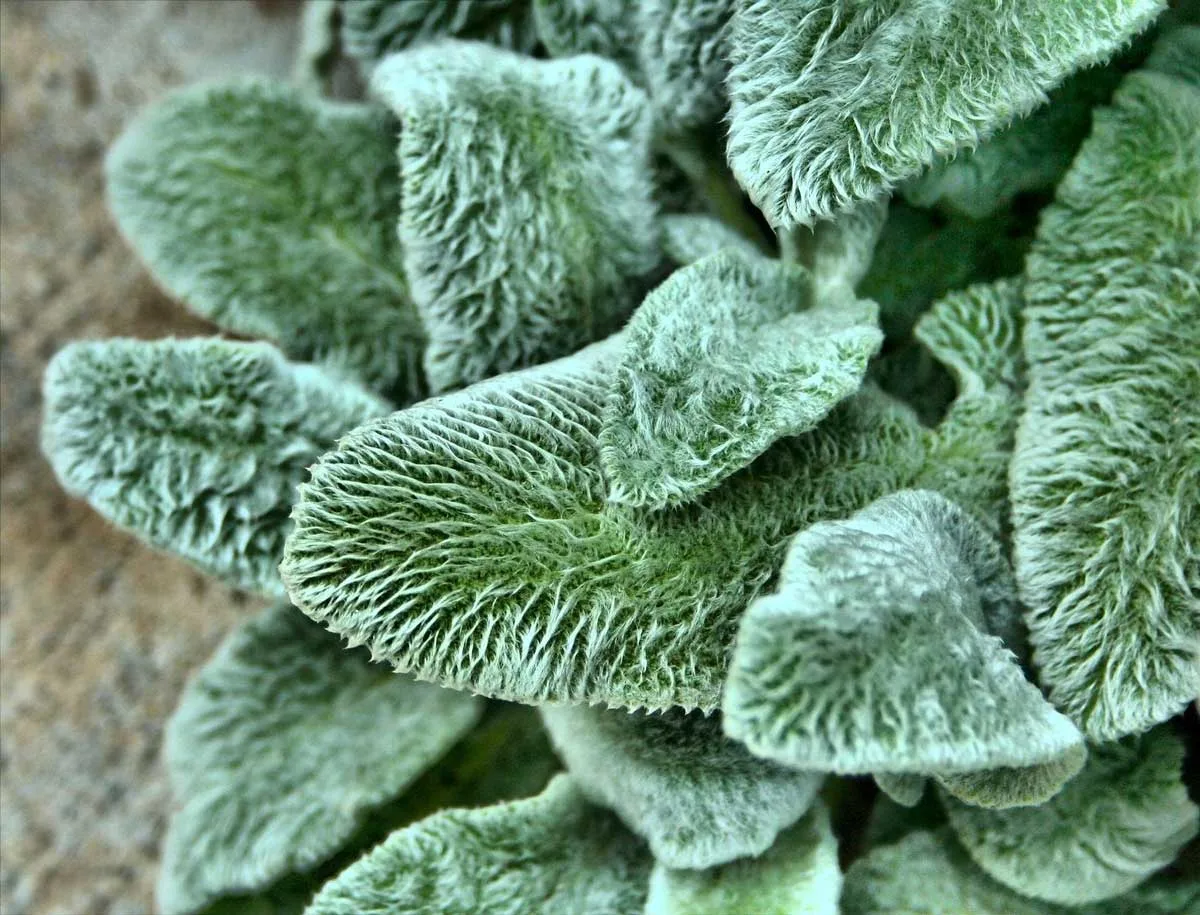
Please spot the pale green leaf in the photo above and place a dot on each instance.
(699, 798)
(1015, 786)
(607, 28)
(874, 653)
(1125, 816)
(683, 57)
(844, 246)
(272, 214)
(528, 222)
(1177, 53)
(553, 854)
(196, 446)
(689, 237)
(468, 540)
(279, 749)
(722, 360)
(1105, 473)
(373, 29)
(905, 790)
(836, 101)
(798, 875)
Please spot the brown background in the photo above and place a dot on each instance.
(97, 633)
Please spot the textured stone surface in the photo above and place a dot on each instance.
(97, 633)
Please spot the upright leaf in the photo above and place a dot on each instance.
(1125, 816)
(553, 853)
(836, 101)
(528, 222)
(843, 247)
(467, 540)
(1104, 477)
(798, 875)
(699, 798)
(722, 360)
(874, 654)
(196, 446)
(280, 748)
(272, 214)
(373, 29)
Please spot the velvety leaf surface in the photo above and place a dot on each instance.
(1125, 816)
(874, 653)
(373, 29)
(1015, 786)
(835, 101)
(467, 540)
(1177, 52)
(272, 214)
(554, 854)
(196, 446)
(844, 246)
(699, 798)
(689, 237)
(905, 790)
(606, 28)
(798, 875)
(1104, 477)
(722, 360)
(528, 222)
(280, 747)
(683, 57)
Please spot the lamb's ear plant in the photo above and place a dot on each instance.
(854, 569)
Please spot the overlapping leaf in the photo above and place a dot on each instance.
(373, 29)
(273, 214)
(874, 654)
(468, 541)
(1103, 481)
(689, 237)
(843, 247)
(554, 853)
(279, 749)
(699, 798)
(722, 360)
(1125, 816)
(528, 222)
(607, 28)
(798, 875)
(835, 101)
(196, 446)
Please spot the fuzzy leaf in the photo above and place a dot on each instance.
(1105, 472)
(905, 790)
(607, 28)
(683, 56)
(1015, 786)
(873, 655)
(528, 222)
(373, 29)
(271, 213)
(196, 446)
(722, 360)
(467, 540)
(976, 334)
(699, 798)
(689, 237)
(836, 101)
(1123, 817)
(553, 852)
(843, 247)
(280, 747)
(798, 875)
(1177, 53)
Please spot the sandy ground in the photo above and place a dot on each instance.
(97, 633)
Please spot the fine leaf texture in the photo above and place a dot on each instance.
(196, 446)
(843, 247)
(1123, 817)
(1029, 155)
(722, 360)
(468, 541)
(528, 220)
(373, 29)
(554, 854)
(1105, 473)
(836, 101)
(798, 875)
(683, 56)
(874, 654)
(689, 237)
(281, 746)
(1009, 786)
(606, 28)
(272, 214)
(698, 798)
(976, 334)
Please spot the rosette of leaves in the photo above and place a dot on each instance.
(727, 567)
